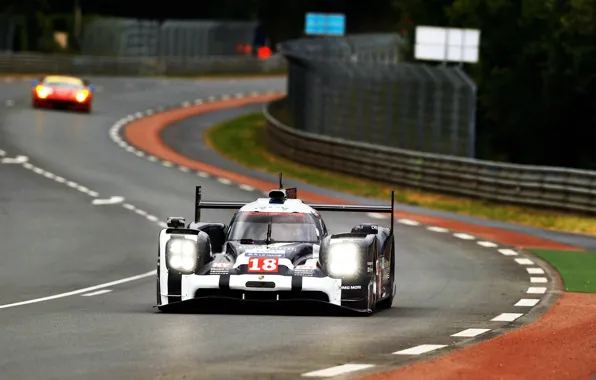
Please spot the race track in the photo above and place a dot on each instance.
(56, 241)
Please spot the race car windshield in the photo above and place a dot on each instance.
(285, 227)
(63, 84)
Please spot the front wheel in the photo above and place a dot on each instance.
(388, 302)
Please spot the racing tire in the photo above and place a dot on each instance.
(388, 302)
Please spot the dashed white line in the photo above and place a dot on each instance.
(246, 187)
(152, 218)
(93, 193)
(141, 212)
(536, 290)
(162, 224)
(167, 164)
(527, 302)
(183, 169)
(508, 252)
(109, 201)
(468, 333)
(376, 215)
(535, 270)
(507, 317)
(59, 179)
(437, 229)
(152, 158)
(96, 293)
(408, 222)
(421, 349)
(225, 181)
(487, 244)
(80, 291)
(524, 261)
(128, 206)
(203, 174)
(538, 280)
(464, 236)
(338, 370)
(2, 153)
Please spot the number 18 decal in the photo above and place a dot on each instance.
(261, 264)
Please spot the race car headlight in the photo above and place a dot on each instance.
(343, 259)
(182, 255)
(82, 96)
(43, 92)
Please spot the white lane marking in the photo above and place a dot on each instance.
(408, 222)
(162, 224)
(38, 170)
(437, 229)
(247, 188)
(72, 184)
(2, 153)
(203, 174)
(27, 165)
(508, 252)
(141, 212)
(527, 302)
(417, 350)
(464, 236)
(109, 201)
(535, 270)
(338, 370)
(536, 290)
(468, 333)
(80, 291)
(507, 317)
(49, 175)
(59, 179)
(183, 169)
(96, 293)
(538, 280)
(152, 158)
(225, 181)
(376, 215)
(17, 160)
(128, 206)
(524, 261)
(487, 244)
(93, 193)
(152, 218)
(9, 103)
(140, 154)
(167, 164)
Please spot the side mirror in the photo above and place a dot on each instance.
(34, 82)
(176, 222)
(91, 87)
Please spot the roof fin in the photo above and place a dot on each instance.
(281, 186)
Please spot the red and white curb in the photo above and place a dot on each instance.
(520, 308)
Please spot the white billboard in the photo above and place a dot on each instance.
(447, 44)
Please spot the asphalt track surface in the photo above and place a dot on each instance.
(54, 240)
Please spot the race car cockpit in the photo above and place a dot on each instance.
(274, 227)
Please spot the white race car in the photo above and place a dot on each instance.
(277, 249)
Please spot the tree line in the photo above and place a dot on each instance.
(536, 75)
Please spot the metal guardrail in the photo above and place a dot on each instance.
(546, 187)
(36, 63)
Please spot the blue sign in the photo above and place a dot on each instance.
(329, 24)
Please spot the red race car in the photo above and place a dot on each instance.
(65, 91)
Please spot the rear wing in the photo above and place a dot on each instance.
(232, 205)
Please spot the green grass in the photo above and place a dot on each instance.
(243, 140)
(577, 269)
